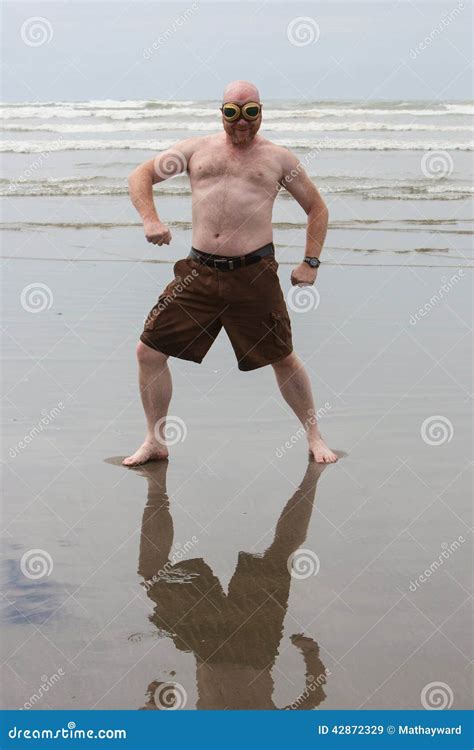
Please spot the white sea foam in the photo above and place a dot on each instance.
(143, 109)
(190, 126)
(101, 103)
(369, 188)
(38, 147)
(328, 144)
(117, 113)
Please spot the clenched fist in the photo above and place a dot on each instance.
(157, 233)
(303, 275)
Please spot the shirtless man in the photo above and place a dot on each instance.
(235, 177)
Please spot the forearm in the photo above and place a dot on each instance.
(140, 188)
(316, 230)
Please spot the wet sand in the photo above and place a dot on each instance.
(222, 616)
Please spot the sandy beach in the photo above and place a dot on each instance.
(394, 397)
(236, 575)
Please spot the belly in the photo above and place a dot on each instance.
(231, 218)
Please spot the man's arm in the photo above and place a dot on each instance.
(296, 180)
(167, 164)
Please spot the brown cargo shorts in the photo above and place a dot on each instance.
(247, 302)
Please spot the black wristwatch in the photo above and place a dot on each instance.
(311, 261)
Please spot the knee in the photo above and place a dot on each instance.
(148, 356)
(291, 361)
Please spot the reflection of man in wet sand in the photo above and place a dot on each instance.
(235, 638)
(230, 272)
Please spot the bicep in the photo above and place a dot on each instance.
(171, 162)
(296, 180)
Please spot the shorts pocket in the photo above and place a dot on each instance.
(271, 262)
(281, 329)
(176, 266)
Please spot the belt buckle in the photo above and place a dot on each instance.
(229, 263)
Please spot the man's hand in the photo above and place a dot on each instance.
(157, 233)
(303, 275)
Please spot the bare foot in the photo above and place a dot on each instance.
(320, 452)
(150, 450)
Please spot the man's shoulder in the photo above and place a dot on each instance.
(198, 143)
(202, 141)
(275, 148)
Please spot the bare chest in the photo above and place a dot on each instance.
(254, 171)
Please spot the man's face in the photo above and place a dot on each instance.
(242, 131)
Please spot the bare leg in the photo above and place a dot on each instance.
(295, 388)
(155, 389)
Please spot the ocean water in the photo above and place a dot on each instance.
(397, 176)
(397, 179)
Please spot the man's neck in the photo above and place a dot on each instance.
(242, 146)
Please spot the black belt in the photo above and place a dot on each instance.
(224, 263)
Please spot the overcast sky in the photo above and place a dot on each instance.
(80, 50)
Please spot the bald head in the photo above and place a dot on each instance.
(241, 132)
(241, 91)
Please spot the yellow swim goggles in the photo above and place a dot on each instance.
(249, 111)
